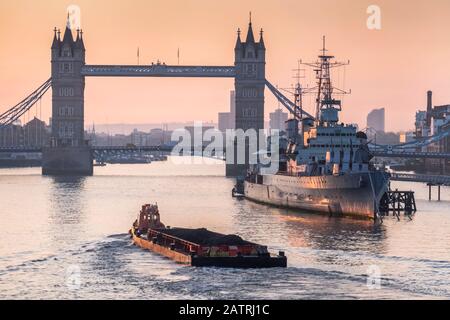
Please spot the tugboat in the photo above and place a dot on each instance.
(199, 247)
(325, 166)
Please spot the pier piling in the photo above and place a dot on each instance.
(430, 185)
(398, 202)
(429, 191)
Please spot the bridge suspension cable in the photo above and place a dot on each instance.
(14, 113)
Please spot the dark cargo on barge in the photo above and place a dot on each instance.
(200, 247)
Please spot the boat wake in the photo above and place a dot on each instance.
(113, 268)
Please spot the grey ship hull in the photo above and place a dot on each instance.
(353, 194)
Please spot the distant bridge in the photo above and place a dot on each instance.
(426, 178)
(411, 149)
(165, 148)
(168, 148)
(410, 154)
(98, 150)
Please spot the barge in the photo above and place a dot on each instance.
(199, 247)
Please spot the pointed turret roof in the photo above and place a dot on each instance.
(79, 43)
(238, 40)
(55, 43)
(250, 38)
(68, 37)
(261, 40)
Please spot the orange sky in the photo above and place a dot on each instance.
(390, 68)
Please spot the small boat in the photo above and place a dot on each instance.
(237, 194)
(199, 247)
(238, 190)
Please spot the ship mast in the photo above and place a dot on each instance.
(327, 107)
(297, 91)
(298, 95)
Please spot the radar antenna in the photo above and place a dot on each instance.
(297, 91)
(327, 107)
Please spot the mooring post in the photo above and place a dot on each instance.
(429, 191)
(439, 192)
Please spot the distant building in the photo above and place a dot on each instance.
(440, 122)
(197, 134)
(138, 138)
(11, 136)
(421, 128)
(277, 120)
(381, 137)
(227, 119)
(232, 109)
(120, 140)
(224, 121)
(155, 137)
(36, 133)
(431, 122)
(440, 116)
(407, 137)
(375, 120)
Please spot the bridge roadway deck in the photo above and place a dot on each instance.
(158, 70)
(386, 154)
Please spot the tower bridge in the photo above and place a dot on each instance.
(68, 151)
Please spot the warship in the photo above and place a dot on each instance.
(324, 165)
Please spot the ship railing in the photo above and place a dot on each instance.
(168, 240)
(190, 247)
(299, 174)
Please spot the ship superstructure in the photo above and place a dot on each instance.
(326, 166)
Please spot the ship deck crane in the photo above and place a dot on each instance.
(288, 104)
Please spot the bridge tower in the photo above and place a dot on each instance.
(250, 66)
(68, 152)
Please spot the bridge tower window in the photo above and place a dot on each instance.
(66, 92)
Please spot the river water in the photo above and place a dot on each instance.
(66, 238)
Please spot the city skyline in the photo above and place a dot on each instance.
(254, 151)
(387, 77)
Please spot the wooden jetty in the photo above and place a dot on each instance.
(398, 202)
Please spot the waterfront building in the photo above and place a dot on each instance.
(407, 137)
(435, 120)
(375, 119)
(226, 120)
(36, 133)
(277, 119)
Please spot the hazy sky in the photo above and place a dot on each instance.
(392, 67)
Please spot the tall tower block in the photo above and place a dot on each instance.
(250, 66)
(68, 152)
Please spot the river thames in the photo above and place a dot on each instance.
(66, 238)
